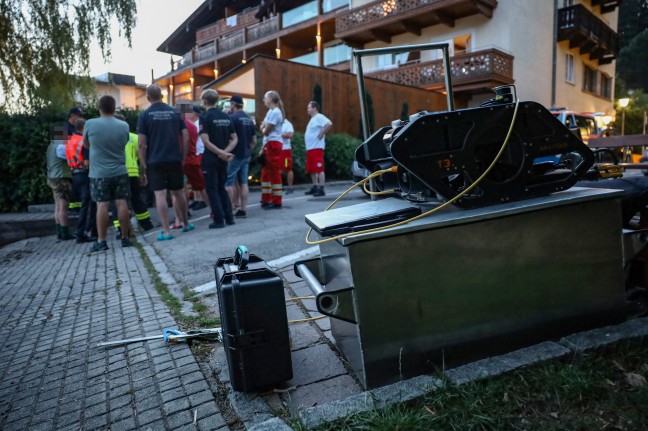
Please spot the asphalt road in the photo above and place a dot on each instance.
(270, 234)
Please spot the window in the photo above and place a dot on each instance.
(590, 80)
(567, 3)
(606, 86)
(569, 68)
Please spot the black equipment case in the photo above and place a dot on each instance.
(254, 322)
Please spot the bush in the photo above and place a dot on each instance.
(23, 144)
(338, 157)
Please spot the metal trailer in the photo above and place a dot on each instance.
(466, 284)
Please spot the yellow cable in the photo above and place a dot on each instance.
(427, 213)
(297, 298)
(306, 320)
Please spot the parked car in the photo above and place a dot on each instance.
(584, 124)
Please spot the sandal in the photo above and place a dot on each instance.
(163, 237)
(176, 226)
(188, 228)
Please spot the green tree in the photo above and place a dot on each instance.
(45, 46)
(632, 63)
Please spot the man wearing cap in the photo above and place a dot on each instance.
(219, 137)
(237, 169)
(160, 127)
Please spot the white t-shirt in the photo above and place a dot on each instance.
(200, 147)
(275, 118)
(286, 127)
(313, 129)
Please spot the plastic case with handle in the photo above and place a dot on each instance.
(254, 322)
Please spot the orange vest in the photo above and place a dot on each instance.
(74, 153)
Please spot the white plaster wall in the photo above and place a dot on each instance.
(524, 29)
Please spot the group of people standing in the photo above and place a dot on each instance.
(212, 149)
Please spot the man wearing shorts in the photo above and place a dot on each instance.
(163, 143)
(316, 130)
(237, 169)
(59, 179)
(106, 138)
(287, 132)
(191, 166)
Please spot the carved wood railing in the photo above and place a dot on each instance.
(464, 67)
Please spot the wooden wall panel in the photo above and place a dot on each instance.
(340, 102)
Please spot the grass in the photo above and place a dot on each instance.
(600, 390)
(204, 318)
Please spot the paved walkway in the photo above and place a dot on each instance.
(56, 304)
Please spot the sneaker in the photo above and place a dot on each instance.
(288, 191)
(163, 237)
(199, 205)
(99, 246)
(312, 191)
(215, 225)
(188, 228)
(240, 214)
(265, 204)
(125, 242)
(193, 204)
(229, 222)
(319, 192)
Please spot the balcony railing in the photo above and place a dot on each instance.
(488, 65)
(383, 18)
(225, 25)
(585, 31)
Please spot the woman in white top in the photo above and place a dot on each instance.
(271, 189)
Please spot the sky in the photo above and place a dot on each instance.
(156, 20)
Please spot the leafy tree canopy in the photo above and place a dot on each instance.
(45, 46)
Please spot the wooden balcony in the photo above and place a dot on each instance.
(382, 19)
(221, 27)
(475, 72)
(606, 5)
(586, 31)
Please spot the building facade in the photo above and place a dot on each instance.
(560, 53)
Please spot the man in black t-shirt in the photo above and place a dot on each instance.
(218, 136)
(162, 143)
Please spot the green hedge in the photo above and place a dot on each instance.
(23, 169)
(338, 157)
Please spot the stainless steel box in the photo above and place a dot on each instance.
(465, 284)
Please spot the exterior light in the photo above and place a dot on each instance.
(278, 52)
(215, 73)
(623, 103)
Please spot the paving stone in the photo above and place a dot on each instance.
(180, 419)
(95, 422)
(148, 416)
(126, 424)
(249, 407)
(200, 398)
(314, 364)
(337, 388)
(212, 422)
(274, 424)
(175, 406)
(303, 335)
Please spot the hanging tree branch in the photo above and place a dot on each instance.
(45, 44)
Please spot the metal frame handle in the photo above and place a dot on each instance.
(358, 54)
